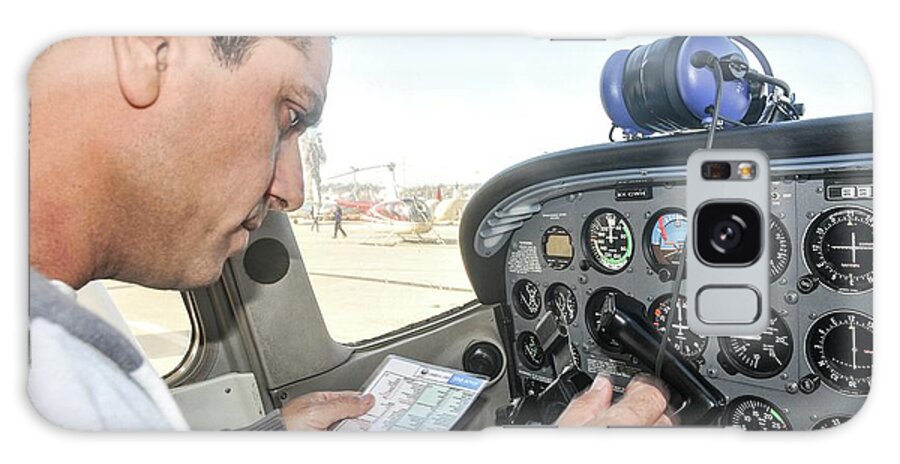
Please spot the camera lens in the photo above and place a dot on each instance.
(728, 233)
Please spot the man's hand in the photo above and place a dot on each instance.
(643, 404)
(318, 410)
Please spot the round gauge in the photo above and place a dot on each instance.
(592, 312)
(763, 356)
(665, 235)
(609, 241)
(780, 248)
(561, 302)
(685, 342)
(527, 299)
(830, 422)
(530, 351)
(557, 247)
(753, 413)
(839, 351)
(838, 249)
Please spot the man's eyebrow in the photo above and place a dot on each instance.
(314, 104)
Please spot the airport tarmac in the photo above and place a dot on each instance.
(366, 285)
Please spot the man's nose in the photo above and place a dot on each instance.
(287, 186)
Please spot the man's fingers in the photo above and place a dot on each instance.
(318, 410)
(664, 421)
(334, 395)
(320, 396)
(645, 401)
(585, 408)
(644, 380)
(343, 406)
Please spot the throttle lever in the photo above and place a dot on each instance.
(704, 401)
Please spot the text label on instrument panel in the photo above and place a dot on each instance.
(634, 192)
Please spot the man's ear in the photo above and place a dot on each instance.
(140, 64)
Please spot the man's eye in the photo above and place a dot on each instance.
(295, 117)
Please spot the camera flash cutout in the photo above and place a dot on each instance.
(746, 170)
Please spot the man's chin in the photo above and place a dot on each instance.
(208, 281)
(209, 271)
(203, 274)
(239, 241)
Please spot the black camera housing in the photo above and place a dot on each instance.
(728, 233)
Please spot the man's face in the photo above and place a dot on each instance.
(221, 148)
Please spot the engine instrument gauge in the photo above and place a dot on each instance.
(527, 299)
(753, 413)
(557, 246)
(830, 422)
(839, 350)
(685, 342)
(779, 248)
(530, 351)
(665, 235)
(763, 356)
(561, 302)
(838, 249)
(609, 241)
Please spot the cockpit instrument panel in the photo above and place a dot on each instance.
(811, 368)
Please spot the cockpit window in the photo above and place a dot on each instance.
(382, 275)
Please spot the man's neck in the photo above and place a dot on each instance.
(61, 244)
(66, 232)
(69, 163)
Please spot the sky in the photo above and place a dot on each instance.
(459, 110)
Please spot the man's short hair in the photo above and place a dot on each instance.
(232, 51)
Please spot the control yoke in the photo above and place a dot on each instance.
(703, 402)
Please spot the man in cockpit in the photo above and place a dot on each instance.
(151, 161)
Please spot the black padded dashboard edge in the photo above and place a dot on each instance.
(813, 137)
